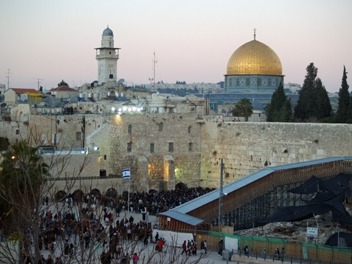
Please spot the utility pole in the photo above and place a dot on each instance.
(8, 78)
(38, 83)
(221, 193)
(154, 69)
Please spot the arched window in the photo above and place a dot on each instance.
(189, 129)
(129, 129)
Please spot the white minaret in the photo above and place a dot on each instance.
(107, 57)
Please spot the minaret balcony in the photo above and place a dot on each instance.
(107, 56)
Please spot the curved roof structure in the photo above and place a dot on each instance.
(108, 32)
(254, 58)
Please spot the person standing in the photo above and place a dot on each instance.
(221, 246)
(264, 254)
(184, 247)
(205, 247)
(135, 258)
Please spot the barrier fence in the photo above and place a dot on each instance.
(293, 251)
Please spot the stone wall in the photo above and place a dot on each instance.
(247, 147)
(198, 145)
(70, 131)
(151, 137)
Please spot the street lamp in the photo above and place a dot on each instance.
(221, 194)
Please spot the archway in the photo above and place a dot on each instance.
(60, 196)
(181, 186)
(111, 193)
(151, 191)
(96, 193)
(77, 195)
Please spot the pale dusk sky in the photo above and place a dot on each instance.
(192, 39)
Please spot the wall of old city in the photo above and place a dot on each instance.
(143, 141)
(160, 150)
(247, 147)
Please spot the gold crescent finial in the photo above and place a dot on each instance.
(255, 33)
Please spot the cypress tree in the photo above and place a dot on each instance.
(279, 108)
(323, 105)
(305, 104)
(344, 100)
(349, 111)
(313, 102)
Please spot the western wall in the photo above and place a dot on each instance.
(165, 149)
(247, 147)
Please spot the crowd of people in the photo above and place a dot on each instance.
(91, 223)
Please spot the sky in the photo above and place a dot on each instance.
(46, 41)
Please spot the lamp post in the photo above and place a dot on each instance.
(221, 193)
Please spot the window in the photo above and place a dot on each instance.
(161, 126)
(129, 146)
(129, 129)
(17, 131)
(171, 147)
(104, 157)
(78, 136)
(151, 147)
(190, 146)
(189, 129)
(259, 81)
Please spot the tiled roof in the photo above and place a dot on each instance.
(63, 88)
(25, 90)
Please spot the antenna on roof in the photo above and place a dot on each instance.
(154, 68)
(8, 78)
(38, 82)
(255, 33)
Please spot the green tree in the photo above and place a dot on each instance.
(279, 109)
(4, 143)
(21, 179)
(243, 108)
(323, 106)
(344, 100)
(26, 178)
(349, 111)
(313, 102)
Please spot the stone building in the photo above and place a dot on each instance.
(253, 68)
(107, 56)
(253, 71)
(15, 96)
(163, 150)
(64, 91)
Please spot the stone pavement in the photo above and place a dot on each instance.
(211, 257)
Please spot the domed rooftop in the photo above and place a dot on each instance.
(108, 32)
(254, 58)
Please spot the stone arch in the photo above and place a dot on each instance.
(77, 195)
(181, 186)
(96, 193)
(60, 196)
(153, 191)
(111, 193)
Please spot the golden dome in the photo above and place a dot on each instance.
(254, 58)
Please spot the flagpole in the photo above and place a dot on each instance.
(126, 174)
(128, 194)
